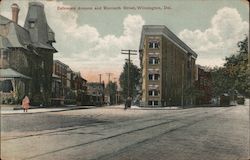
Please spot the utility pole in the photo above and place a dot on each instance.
(182, 85)
(109, 74)
(100, 78)
(129, 52)
(115, 90)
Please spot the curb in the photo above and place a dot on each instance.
(59, 110)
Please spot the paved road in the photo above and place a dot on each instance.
(114, 134)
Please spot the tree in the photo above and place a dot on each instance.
(234, 75)
(134, 77)
(220, 81)
(237, 68)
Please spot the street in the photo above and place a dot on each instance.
(111, 133)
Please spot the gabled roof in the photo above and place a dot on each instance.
(164, 31)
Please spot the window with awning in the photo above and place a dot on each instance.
(6, 86)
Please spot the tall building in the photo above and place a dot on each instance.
(167, 67)
(26, 59)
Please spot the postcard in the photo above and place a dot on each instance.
(124, 80)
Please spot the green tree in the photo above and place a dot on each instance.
(134, 77)
(220, 81)
(236, 67)
(234, 75)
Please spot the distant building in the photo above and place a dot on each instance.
(79, 87)
(26, 59)
(168, 67)
(204, 84)
(67, 86)
(59, 83)
(96, 92)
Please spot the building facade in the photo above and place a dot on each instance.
(167, 67)
(59, 82)
(204, 84)
(68, 87)
(96, 93)
(27, 55)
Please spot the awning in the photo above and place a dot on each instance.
(9, 73)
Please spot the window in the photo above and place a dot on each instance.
(150, 103)
(42, 64)
(6, 86)
(153, 103)
(154, 77)
(5, 55)
(32, 24)
(153, 92)
(153, 60)
(150, 76)
(153, 44)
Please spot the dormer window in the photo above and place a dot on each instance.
(32, 24)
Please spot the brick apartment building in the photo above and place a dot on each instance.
(167, 66)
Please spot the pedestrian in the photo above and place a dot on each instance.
(128, 103)
(25, 104)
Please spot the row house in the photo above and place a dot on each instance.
(26, 56)
(96, 93)
(79, 87)
(67, 86)
(167, 67)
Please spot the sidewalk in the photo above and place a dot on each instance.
(144, 108)
(17, 109)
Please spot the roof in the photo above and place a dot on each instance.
(4, 42)
(16, 37)
(163, 30)
(4, 20)
(21, 37)
(11, 73)
(42, 36)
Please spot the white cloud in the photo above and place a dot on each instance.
(218, 41)
(81, 46)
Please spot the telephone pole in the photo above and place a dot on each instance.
(100, 78)
(129, 52)
(109, 74)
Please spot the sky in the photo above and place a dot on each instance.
(90, 34)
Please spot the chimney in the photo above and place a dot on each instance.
(15, 11)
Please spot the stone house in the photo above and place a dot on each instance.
(27, 55)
